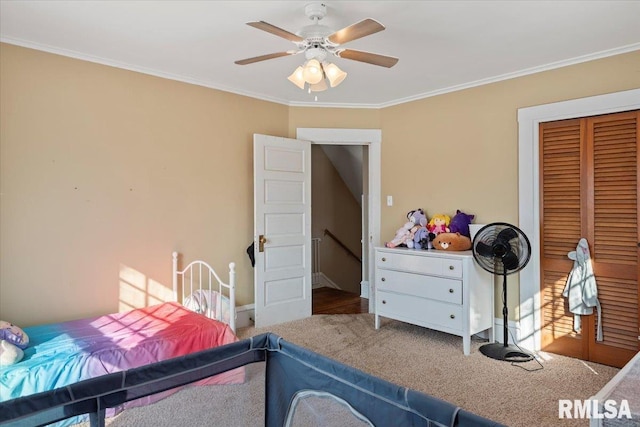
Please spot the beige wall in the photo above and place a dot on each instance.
(105, 171)
(460, 150)
(334, 208)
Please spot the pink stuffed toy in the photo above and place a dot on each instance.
(439, 224)
(403, 236)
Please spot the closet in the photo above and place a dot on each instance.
(589, 188)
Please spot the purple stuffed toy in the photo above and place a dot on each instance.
(13, 334)
(460, 223)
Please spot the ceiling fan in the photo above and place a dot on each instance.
(318, 42)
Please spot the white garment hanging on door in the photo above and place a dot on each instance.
(581, 287)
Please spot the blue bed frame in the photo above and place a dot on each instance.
(289, 369)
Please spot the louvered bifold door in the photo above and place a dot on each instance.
(561, 216)
(612, 140)
(589, 188)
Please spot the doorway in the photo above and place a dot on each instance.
(371, 138)
(338, 210)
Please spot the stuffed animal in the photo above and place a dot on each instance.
(9, 353)
(421, 235)
(403, 235)
(439, 224)
(452, 242)
(13, 334)
(460, 223)
(421, 239)
(410, 243)
(417, 217)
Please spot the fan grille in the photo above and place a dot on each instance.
(501, 248)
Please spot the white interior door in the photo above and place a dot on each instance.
(282, 229)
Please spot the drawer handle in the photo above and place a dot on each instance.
(451, 267)
(383, 279)
(383, 259)
(384, 301)
(453, 316)
(450, 291)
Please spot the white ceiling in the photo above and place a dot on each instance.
(442, 45)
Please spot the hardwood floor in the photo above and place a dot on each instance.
(334, 301)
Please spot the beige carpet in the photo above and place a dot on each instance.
(414, 357)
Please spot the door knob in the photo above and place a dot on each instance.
(261, 241)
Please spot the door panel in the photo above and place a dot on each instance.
(282, 204)
(613, 142)
(589, 184)
(561, 228)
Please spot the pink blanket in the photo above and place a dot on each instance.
(64, 353)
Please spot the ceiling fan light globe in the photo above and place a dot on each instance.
(334, 74)
(312, 72)
(319, 87)
(297, 77)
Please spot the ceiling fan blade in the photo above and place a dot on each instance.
(370, 58)
(358, 30)
(263, 57)
(265, 26)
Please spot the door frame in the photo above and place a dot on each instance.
(373, 139)
(529, 190)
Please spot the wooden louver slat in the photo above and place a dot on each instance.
(589, 188)
(615, 189)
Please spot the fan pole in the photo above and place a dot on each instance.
(505, 351)
(505, 310)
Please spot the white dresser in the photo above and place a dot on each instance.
(442, 290)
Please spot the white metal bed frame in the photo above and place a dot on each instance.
(201, 276)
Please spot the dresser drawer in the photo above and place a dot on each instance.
(432, 287)
(420, 311)
(406, 261)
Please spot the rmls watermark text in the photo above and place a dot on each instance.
(588, 409)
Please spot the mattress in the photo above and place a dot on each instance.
(64, 353)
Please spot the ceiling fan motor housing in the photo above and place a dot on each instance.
(315, 10)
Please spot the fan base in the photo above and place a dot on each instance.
(507, 353)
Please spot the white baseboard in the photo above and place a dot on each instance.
(364, 289)
(513, 328)
(322, 281)
(245, 315)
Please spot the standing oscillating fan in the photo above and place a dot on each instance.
(502, 248)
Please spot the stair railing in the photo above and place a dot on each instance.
(342, 245)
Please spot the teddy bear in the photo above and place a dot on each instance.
(452, 242)
(460, 223)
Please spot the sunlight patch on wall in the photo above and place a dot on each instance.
(138, 291)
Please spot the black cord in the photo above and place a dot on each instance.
(513, 340)
(519, 364)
